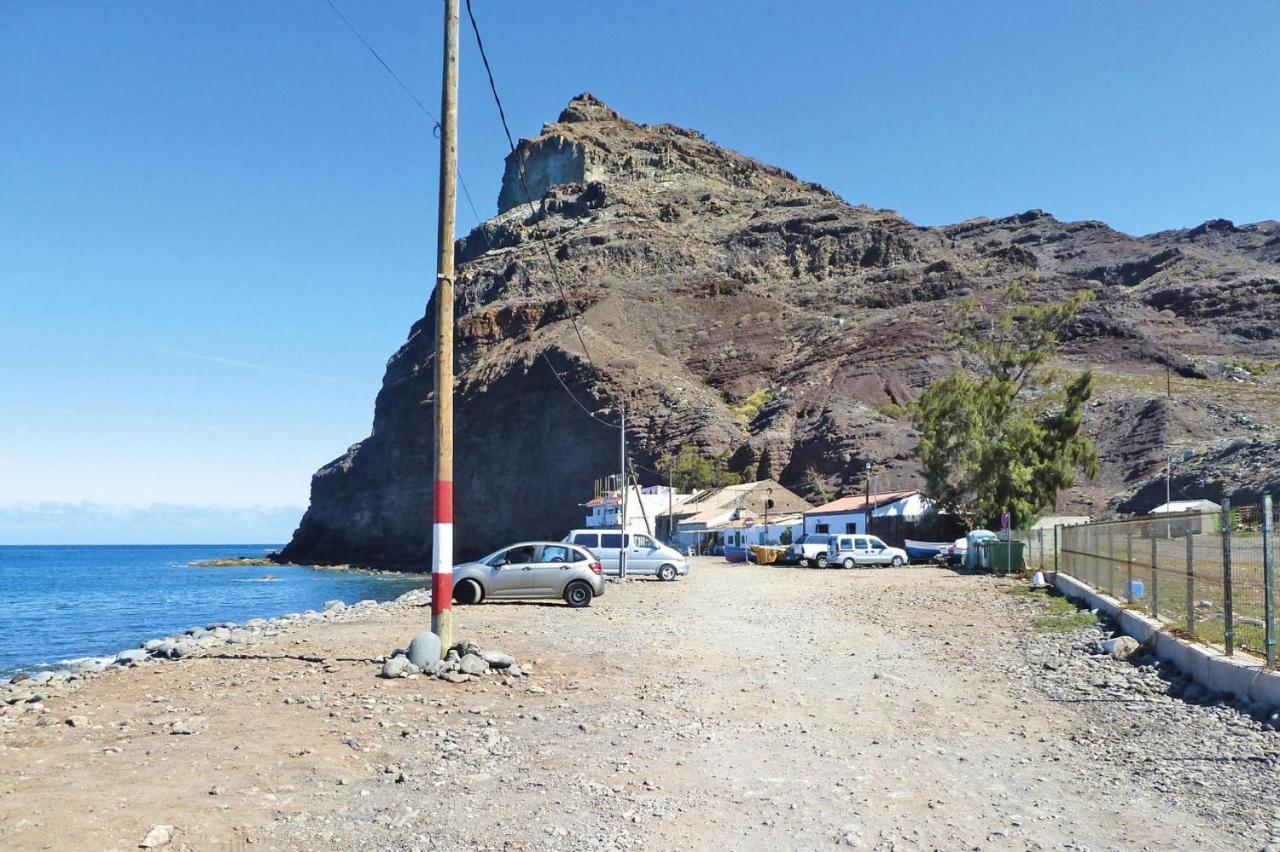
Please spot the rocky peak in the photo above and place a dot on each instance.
(587, 107)
(591, 142)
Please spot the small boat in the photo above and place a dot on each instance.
(924, 550)
(735, 554)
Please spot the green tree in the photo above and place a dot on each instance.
(1007, 436)
(690, 469)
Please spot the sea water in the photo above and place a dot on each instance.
(64, 602)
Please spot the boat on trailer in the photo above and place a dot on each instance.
(923, 551)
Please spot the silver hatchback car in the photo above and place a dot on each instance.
(531, 569)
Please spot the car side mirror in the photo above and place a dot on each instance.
(500, 563)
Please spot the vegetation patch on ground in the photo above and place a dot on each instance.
(1058, 613)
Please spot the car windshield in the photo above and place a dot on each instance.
(876, 543)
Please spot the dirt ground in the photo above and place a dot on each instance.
(741, 707)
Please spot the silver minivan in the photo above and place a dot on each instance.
(646, 557)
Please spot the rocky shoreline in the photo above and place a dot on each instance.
(26, 692)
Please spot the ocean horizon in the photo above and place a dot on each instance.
(64, 602)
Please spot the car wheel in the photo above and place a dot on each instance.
(848, 563)
(468, 592)
(667, 572)
(822, 561)
(577, 594)
(803, 563)
(897, 562)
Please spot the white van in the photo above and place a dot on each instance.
(854, 550)
(645, 556)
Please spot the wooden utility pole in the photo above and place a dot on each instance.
(442, 504)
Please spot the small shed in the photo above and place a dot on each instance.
(1183, 517)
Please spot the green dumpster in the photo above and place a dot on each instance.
(1003, 557)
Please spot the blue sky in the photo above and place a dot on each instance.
(217, 219)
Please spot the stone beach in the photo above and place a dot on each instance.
(741, 707)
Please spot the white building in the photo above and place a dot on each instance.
(779, 531)
(1182, 517)
(700, 521)
(644, 507)
(849, 514)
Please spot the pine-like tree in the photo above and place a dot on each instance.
(1005, 437)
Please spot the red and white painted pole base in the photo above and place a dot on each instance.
(442, 566)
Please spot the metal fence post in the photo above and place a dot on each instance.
(1055, 548)
(1228, 614)
(1095, 560)
(1155, 575)
(1191, 582)
(1128, 563)
(1111, 561)
(1269, 577)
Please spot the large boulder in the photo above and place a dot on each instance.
(1121, 647)
(424, 649)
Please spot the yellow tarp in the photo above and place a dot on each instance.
(767, 555)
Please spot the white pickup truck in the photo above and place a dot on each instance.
(809, 551)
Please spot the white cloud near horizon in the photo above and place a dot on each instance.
(51, 523)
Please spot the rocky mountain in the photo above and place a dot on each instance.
(728, 304)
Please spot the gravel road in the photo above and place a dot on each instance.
(741, 707)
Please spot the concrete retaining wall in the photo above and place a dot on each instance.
(1242, 675)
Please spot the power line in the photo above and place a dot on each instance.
(467, 192)
(528, 196)
(585, 410)
(435, 129)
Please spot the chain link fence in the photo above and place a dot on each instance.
(1210, 577)
(1039, 547)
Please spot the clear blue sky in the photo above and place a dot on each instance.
(217, 219)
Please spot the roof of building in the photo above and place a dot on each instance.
(1180, 506)
(859, 502)
(612, 498)
(780, 521)
(1050, 521)
(708, 506)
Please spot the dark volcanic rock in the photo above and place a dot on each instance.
(702, 277)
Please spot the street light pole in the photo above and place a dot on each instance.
(867, 506)
(622, 493)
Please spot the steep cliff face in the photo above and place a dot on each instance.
(728, 304)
